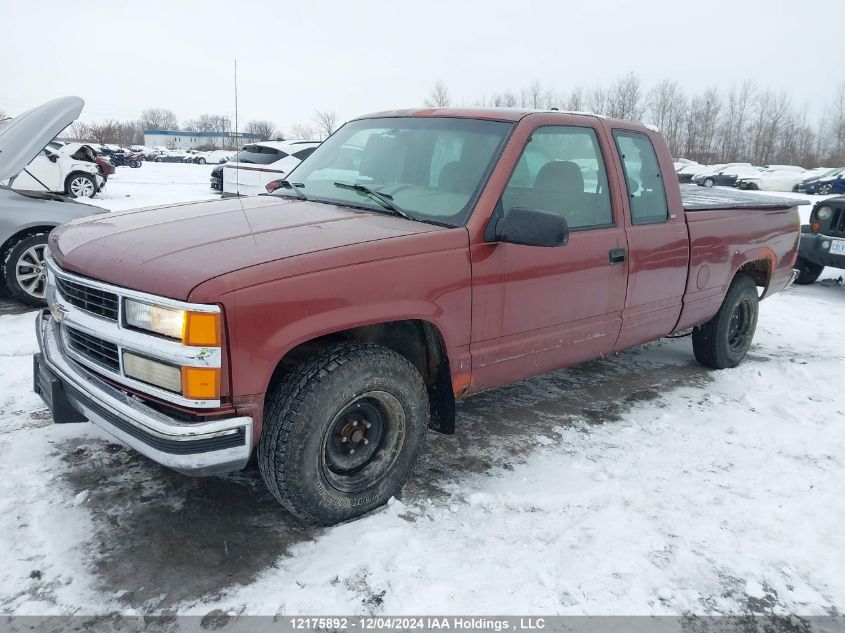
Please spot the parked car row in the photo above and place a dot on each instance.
(824, 180)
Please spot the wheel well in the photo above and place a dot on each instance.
(760, 270)
(17, 237)
(418, 341)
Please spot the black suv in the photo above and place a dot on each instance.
(822, 241)
(217, 178)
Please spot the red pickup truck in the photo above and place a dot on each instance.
(415, 258)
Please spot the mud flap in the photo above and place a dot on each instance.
(51, 390)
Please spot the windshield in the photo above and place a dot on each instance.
(432, 168)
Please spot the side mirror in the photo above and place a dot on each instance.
(53, 158)
(531, 227)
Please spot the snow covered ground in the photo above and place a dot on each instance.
(637, 484)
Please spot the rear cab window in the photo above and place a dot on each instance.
(643, 177)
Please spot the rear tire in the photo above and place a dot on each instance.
(826, 189)
(24, 270)
(808, 271)
(724, 340)
(342, 432)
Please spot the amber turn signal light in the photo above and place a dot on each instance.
(201, 328)
(815, 226)
(201, 383)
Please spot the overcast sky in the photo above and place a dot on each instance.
(357, 56)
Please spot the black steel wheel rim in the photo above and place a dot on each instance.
(739, 330)
(363, 442)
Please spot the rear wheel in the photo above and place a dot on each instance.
(808, 271)
(24, 269)
(826, 189)
(201, 161)
(724, 340)
(342, 432)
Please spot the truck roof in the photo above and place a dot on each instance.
(497, 114)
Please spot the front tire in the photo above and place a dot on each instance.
(81, 186)
(24, 270)
(201, 161)
(342, 432)
(808, 271)
(724, 340)
(826, 189)
(709, 182)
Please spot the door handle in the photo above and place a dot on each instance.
(618, 256)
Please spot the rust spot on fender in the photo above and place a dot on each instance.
(461, 383)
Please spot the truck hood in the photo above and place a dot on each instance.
(24, 136)
(170, 250)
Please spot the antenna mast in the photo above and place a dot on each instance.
(237, 178)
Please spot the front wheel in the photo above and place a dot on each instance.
(826, 189)
(201, 161)
(342, 432)
(724, 340)
(81, 186)
(808, 272)
(24, 270)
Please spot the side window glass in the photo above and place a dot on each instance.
(304, 153)
(562, 171)
(643, 178)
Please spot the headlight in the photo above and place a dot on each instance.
(164, 321)
(192, 328)
(824, 212)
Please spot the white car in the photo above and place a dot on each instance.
(250, 171)
(773, 180)
(60, 171)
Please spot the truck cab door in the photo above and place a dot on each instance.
(536, 309)
(658, 242)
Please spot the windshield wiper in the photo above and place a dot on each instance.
(385, 199)
(295, 187)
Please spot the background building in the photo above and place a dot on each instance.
(185, 139)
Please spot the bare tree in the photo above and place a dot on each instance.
(211, 123)
(326, 122)
(625, 98)
(79, 131)
(105, 131)
(667, 107)
(300, 131)
(534, 95)
(575, 101)
(159, 119)
(266, 130)
(439, 96)
(506, 99)
(596, 100)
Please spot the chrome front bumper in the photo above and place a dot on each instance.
(193, 448)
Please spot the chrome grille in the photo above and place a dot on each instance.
(95, 349)
(90, 299)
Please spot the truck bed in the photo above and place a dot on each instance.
(697, 198)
